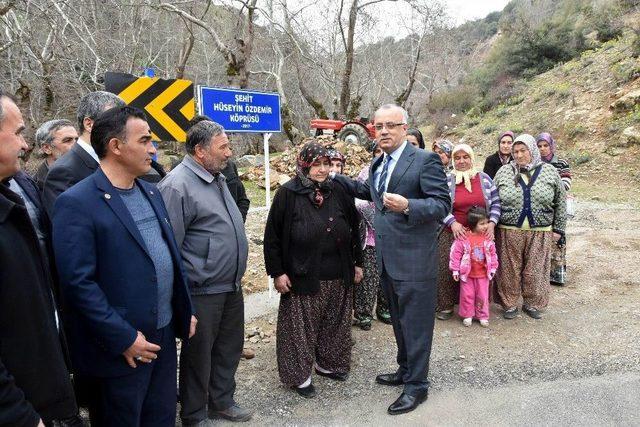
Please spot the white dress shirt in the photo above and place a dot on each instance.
(393, 160)
(89, 149)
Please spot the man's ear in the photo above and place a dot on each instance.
(87, 123)
(46, 149)
(114, 146)
(198, 152)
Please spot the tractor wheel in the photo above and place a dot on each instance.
(354, 133)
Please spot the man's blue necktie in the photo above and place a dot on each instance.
(382, 182)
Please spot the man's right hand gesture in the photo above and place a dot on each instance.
(141, 350)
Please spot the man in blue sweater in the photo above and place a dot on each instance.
(122, 278)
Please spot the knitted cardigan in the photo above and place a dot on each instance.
(489, 192)
(542, 201)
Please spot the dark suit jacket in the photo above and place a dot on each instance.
(406, 245)
(74, 166)
(236, 188)
(34, 381)
(41, 174)
(30, 187)
(107, 277)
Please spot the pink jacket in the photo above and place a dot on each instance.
(460, 258)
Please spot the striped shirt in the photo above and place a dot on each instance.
(489, 191)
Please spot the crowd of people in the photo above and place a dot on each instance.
(106, 259)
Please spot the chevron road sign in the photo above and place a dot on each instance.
(168, 104)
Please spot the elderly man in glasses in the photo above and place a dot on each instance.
(409, 189)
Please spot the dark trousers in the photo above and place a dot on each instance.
(145, 398)
(412, 306)
(209, 360)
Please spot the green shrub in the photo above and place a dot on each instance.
(635, 45)
(502, 112)
(581, 157)
(608, 25)
(490, 128)
(574, 130)
(457, 100)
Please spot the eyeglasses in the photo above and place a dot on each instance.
(388, 125)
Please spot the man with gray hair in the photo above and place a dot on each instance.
(409, 189)
(54, 138)
(210, 234)
(81, 160)
(35, 387)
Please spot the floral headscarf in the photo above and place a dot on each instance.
(445, 145)
(545, 136)
(336, 155)
(468, 175)
(530, 142)
(311, 152)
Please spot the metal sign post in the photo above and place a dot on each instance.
(267, 186)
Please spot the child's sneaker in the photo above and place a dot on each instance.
(484, 323)
(467, 321)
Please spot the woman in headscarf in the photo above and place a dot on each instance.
(312, 251)
(442, 148)
(547, 146)
(337, 160)
(501, 157)
(532, 219)
(369, 290)
(414, 137)
(468, 187)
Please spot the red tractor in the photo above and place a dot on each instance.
(358, 131)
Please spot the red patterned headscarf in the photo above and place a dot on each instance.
(310, 153)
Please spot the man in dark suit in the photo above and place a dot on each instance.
(409, 189)
(35, 386)
(81, 160)
(122, 279)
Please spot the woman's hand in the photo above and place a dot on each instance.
(556, 237)
(358, 275)
(459, 231)
(282, 284)
(490, 233)
(456, 276)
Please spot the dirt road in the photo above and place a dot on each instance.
(591, 328)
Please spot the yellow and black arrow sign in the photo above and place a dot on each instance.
(169, 104)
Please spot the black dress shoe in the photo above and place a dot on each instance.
(338, 376)
(407, 403)
(389, 379)
(308, 391)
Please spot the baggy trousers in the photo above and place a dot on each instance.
(525, 264)
(412, 306)
(314, 328)
(209, 360)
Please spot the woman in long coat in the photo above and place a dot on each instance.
(312, 251)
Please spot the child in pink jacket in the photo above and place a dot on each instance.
(474, 262)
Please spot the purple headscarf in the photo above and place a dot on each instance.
(545, 136)
(507, 133)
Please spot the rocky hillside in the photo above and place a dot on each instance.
(591, 105)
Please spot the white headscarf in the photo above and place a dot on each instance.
(468, 175)
(531, 144)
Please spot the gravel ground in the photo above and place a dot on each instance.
(591, 327)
